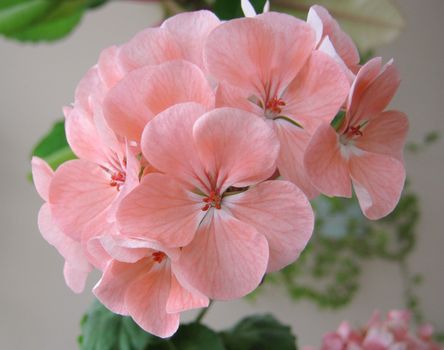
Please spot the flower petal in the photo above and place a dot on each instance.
(149, 47)
(83, 138)
(325, 165)
(190, 30)
(253, 52)
(161, 209)
(378, 181)
(226, 260)
(237, 148)
(42, 175)
(378, 94)
(77, 267)
(146, 301)
(279, 211)
(342, 42)
(147, 91)
(293, 141)
(80, 192)
(317, 93)
(180, 299)
(109, 68)
(385, 134)
(116, 278)
(168, 144)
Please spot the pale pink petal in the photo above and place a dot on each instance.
(385, 134)
(180, 299)
(317, 93)
(237, 147)
(113, 285)
(89, 86)
(146, 300)
(109, 67)
(162, 209)
(326, 165)
(248, 9)
(80, 192)
(240, 52)
(253, 53)
(279, 211)
(168, 144)
(327, 47)
(226, 260)
(295, 41)
(231, 96)
(329, 27)
(378, 94)
(77, 266)
(293, 141)
(146, 92)
(149, 47)
(190, 30)
(119, 247)
(42, 175)
(378, 181)
(83, 138)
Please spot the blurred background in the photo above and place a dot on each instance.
(38, 311)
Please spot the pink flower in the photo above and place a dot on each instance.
(77, 267)
(379, 334)
(140, 282)
(266, 65)
(212, 201)
(366, 150)
(332, 40)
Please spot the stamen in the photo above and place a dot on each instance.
(275, 105)
(117, 180)
(158, 256)
(213, 200)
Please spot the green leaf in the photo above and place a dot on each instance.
(260, 332)
(228, 9)
(196, 336)
(370, 23)
(104, 330)
(37, 20)
(53, 147)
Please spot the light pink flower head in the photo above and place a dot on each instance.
(267, 65)
(212, 199)
(140, 282)
(366, 149)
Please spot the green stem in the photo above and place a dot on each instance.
(203, 312)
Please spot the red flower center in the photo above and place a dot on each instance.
(275, 105)
(118, 179)
(158, 257)
(213, 200)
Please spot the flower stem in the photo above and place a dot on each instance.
(202, 313)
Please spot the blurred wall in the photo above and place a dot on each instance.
(39, 312)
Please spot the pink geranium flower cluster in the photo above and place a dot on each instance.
(391, 333)
(199, 143)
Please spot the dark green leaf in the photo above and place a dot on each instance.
(196, 336)
(260, 332)
(104, 330)
(53, 147)
(228, 9)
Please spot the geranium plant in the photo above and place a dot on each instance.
(198, 146)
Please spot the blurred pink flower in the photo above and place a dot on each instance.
(212, 202)
(366, 149)
(266, 65)
(391, 333)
